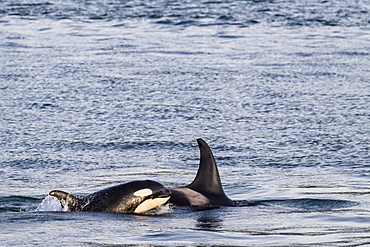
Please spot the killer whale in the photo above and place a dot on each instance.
(132, 197)
(206, 189)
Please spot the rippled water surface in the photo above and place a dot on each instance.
(97, 93)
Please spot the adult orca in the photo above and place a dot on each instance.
(132, 197)
(206, 189)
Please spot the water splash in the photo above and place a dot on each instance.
(50, 203)
(160, 210)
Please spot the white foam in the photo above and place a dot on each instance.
(160, 210)
(50, 203)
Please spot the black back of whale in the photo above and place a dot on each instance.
(206, 189)
(115, 199)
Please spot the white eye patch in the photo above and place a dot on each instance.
(143, 192)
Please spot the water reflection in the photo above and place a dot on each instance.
(209, 222)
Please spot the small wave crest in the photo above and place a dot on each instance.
(50, 203)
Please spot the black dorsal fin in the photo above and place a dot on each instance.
(208, 179)
(68, 201)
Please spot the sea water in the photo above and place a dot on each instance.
(97, 93)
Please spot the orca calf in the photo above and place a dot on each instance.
(132, 197)
(206, 189)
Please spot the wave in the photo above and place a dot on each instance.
(49, 203)
(119, 145)
(192, 12)
(18, 203)
(301, 204)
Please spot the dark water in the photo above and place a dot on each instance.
(96, 93)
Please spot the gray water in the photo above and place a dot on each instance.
(97, 93)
